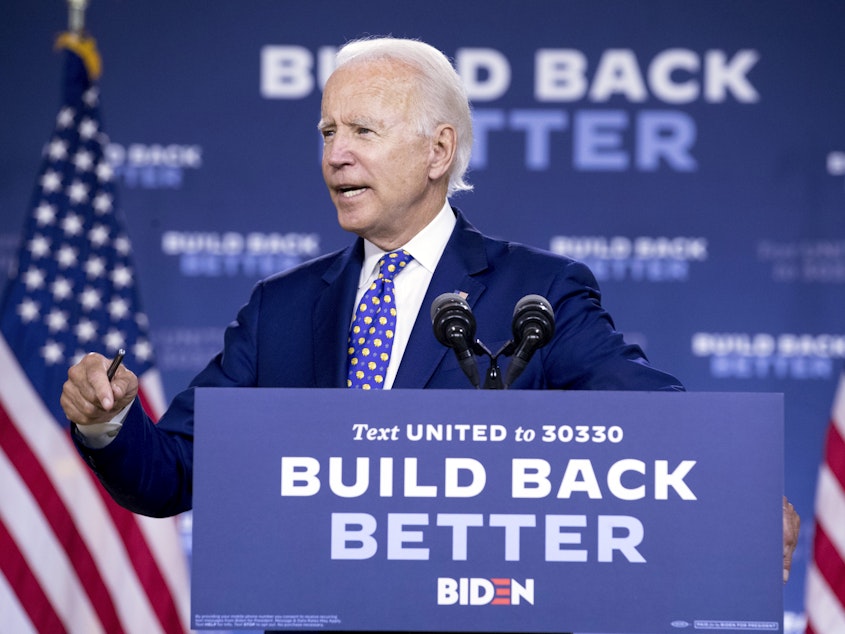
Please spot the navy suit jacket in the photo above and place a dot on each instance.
(293, 333)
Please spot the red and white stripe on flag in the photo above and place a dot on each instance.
(72, 560)
(825, 589)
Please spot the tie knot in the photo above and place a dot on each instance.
(393, 263)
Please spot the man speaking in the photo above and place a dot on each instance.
(397, 134)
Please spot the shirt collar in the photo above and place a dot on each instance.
(426, 247)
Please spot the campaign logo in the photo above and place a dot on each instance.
(738, 355)
(481, 591)
(644, 258)
(234, 253)
(153, 166)
(661, 136)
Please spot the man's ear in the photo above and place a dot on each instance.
(444, 143)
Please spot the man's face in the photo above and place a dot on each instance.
(377, 167)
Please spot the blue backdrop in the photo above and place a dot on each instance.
(693, 153)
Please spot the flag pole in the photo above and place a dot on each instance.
(76, 16)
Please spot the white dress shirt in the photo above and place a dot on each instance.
(411, 285)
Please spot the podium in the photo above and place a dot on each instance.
(487, 511)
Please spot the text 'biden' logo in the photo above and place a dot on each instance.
(480, 591)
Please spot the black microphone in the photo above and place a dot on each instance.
(533, 328)
(454, 327)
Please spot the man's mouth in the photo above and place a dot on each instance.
(351, 192)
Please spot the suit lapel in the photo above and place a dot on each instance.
(463, 257)
(331, 316)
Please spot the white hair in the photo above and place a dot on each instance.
(443, 98)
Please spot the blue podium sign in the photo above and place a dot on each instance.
(487, 511)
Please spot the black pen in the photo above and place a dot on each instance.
(115, 363)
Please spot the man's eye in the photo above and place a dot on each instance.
(364, 131)
(327, 133)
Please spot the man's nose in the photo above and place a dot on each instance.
(337, 151)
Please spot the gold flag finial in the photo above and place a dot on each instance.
(74, 39)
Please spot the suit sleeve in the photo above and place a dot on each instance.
(148, 468)
(587, 352)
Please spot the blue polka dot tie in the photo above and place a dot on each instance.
(371, 334)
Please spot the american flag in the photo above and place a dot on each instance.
(71, 560)
(825, 587)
